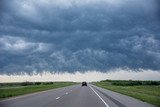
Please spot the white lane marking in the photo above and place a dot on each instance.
(57, 98)
(99, 97)
(71, 90)
(66, 93)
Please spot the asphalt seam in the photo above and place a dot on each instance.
(99, 97)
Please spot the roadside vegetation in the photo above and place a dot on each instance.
(147, 91)
(15, 89)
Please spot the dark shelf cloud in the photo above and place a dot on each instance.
(82, 35)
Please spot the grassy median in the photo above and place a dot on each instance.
(15, 89)
(145, 92)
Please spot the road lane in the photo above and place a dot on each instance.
(74, 96)
(38, 99)
(81, 97)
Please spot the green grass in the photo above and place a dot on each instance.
(146, 93)
(12, 91)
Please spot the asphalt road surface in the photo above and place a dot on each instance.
(74, 96)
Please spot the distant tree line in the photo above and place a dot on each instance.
(131, 82)
(26, 83)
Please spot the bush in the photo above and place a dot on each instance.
(38, 83)
(131, 82)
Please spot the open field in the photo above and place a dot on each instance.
(145, 91)
(15, 89)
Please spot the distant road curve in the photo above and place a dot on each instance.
(74, 96)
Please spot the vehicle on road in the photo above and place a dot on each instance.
(84, 83)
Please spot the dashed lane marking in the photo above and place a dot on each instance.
(57, 98)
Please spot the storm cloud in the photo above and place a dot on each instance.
(79, 35)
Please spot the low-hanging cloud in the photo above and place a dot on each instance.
(82, 35)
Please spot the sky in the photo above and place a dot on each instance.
(66, 37)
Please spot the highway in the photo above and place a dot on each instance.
(74, 96)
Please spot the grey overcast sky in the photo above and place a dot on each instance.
(66, 36)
